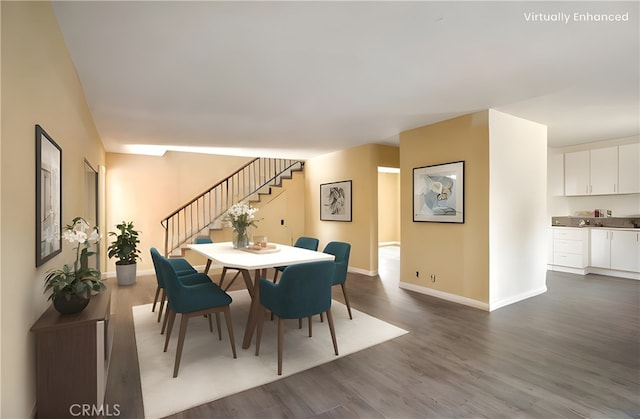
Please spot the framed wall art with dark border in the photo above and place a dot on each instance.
(48, 197)
(438, 193)
(335, 201)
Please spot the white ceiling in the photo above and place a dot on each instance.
(297, 79)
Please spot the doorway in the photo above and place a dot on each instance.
(90, 212)
(389, 223)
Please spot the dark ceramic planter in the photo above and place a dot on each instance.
(74, 304)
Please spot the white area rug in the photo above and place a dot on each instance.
(208, 371)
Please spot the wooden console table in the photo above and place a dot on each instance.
(72, 358)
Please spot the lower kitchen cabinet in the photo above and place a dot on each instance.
(570, 247)
(615, 249)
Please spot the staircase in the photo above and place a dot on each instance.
(247, 184)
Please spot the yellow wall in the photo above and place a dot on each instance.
(163, 184)
(458, 254)
(360, 165)
(388, 207)
(39, 86)
(145, 189)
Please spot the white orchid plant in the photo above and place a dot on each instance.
(240, 216)
(78, 279)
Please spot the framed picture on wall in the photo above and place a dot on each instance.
(438, 193)
(335, 201)
(48, 197)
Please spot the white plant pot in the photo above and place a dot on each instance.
(126, 274)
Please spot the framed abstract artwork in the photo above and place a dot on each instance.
(48, 197)
(438, 193)
(335, 201)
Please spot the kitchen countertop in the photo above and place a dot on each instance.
(623, 223)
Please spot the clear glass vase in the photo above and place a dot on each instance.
(240, 239)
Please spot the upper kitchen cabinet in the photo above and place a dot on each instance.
(602, 171)
(576, 173)
(629, 168)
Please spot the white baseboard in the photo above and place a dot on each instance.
(383, 244)
(598, 271)
(112, 274)
(617, 274)
(445, 296)
(516, 298)
(200, 268)
(362, 271)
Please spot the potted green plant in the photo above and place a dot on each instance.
(125, 249)
(71, 287)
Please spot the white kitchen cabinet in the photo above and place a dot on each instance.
(576, 173)
(602, 171)
(625, 251)
(603, 167)
(570, 247)
(629, 168)
(600, 249)
(615, 249)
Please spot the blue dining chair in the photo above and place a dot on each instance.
(302, 242)
(195, 300)
(303, 291)
(202, 240)
(340, 251)
(183, 269)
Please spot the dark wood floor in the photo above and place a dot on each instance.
(572, 352)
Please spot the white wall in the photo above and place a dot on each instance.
(517, 209)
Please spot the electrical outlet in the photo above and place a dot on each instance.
(417, 274)
(433, 277)
(281, 222)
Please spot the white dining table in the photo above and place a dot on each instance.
(260, 261)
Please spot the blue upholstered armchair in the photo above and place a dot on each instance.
(182, 268)
(341, 252)
(196, 300)
(303, 290)
(309, 243)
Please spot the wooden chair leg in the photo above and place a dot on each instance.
(155, 299)
(309, 320)
(322, 317)
(260, 326)
(332, 330)
(208, 265)
(183, 332)
(208, 316)
(280, 343)
(346, 300)
(299, 323)
(172, 316)
(227, 317)
(162, 300)
(217, 324)
(164, 322)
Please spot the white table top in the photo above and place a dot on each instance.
(226, 255)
